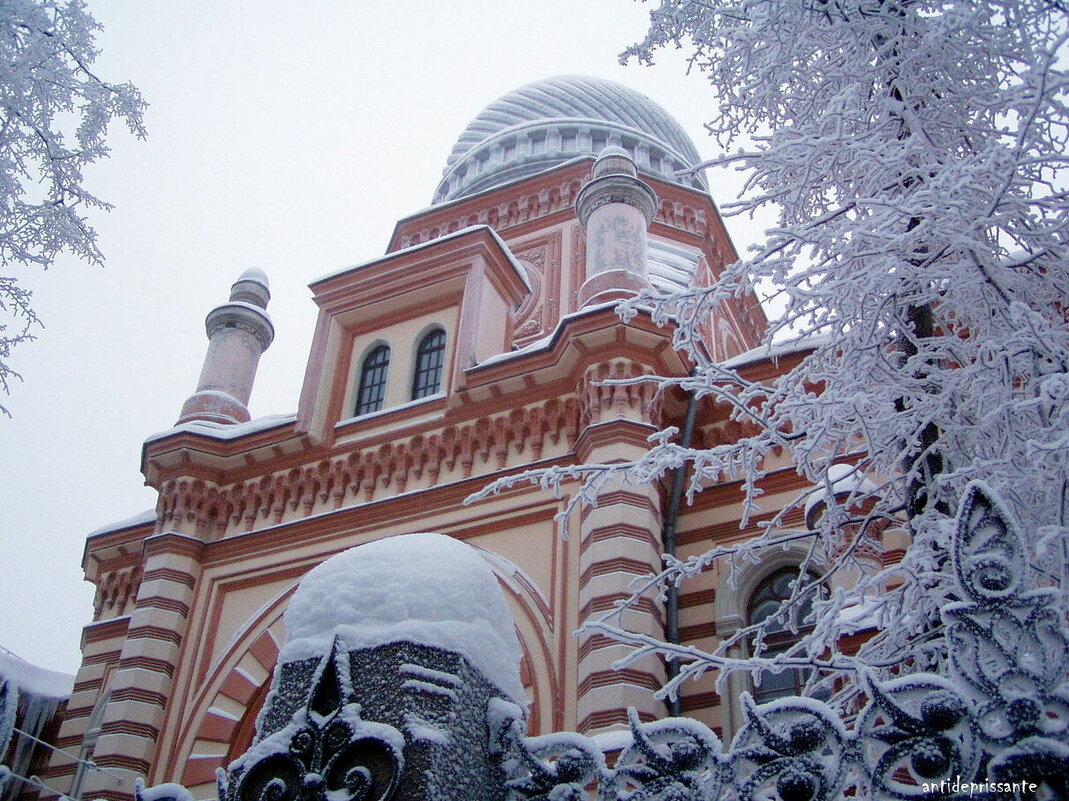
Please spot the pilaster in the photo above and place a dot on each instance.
(142, 684)
(619, 541)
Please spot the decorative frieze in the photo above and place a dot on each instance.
(670, 211)
(546, 201)
(197, 507)
(115, 594)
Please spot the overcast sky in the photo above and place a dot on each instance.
(288, 136)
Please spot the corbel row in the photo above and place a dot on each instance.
(602, 398)
(199, 507)
(504, 215)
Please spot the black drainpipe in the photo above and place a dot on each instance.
(668, 541)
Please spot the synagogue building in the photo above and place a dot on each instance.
(482, 344)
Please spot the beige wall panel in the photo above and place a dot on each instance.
(236, 606)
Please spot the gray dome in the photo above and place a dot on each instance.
(545, 124)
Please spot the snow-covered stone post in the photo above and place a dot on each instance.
(238, 333)
(398, 656)
(616, 209)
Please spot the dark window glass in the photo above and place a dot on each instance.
(430, 356)
(778, 637)
(373, 380)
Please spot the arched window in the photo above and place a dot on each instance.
(765, 604)
(372, 389)
(430, 357)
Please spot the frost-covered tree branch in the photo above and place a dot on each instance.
(54, 117)
(914, 151)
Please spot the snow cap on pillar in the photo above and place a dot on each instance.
(251, 287)
(616, 208)
(426, 589)
(239, 331)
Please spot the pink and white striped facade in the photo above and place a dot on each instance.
(188, 619)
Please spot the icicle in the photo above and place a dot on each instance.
(33, 714)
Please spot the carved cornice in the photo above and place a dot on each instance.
(173, 543)
(613, 433)
(209, 511)
(105, 630)
(512, 210)
(554, 192)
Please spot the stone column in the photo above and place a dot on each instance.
(238, 334)
(615, 208)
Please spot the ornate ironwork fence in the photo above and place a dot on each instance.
(997, 726)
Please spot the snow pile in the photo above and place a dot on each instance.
(40, 693)
(33, 680)
(421, 588)
(168, 791)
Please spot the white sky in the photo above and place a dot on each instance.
(286, 136)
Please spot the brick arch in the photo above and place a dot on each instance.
(245, 730)
(236, 701)
(534, 630)
(727, 340)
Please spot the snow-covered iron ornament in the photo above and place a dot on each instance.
(996, 727)
(325, 753)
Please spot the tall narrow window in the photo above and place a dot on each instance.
(373, 380)
(765, 605)
(430, 356)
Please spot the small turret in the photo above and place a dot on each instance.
(616, 209)
(238, 333)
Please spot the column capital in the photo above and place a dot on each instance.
(615, 180)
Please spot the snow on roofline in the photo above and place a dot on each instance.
(544, 343)
(142, 519)
(33, 679)
(429, 243)
(775, 350)
(225, 430)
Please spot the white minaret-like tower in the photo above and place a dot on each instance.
(238, 333)
(616, 209)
